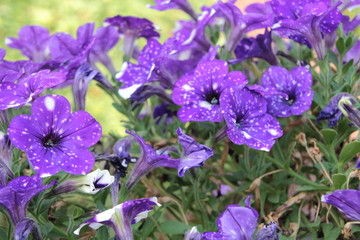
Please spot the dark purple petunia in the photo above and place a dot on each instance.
(306, 21)
(194, 155)
(257, 16)
(122, 216)
(295, 85)
(332, 112)
(247, 120)
(268, 232)
(346, 201)
(105, 39)
(15, 197)
(71, 53)
(28, 88)
(132, 28)
(6, 149)
(350, 111)
(83, 76)
(259, 47)
(235, 223)
(55, 139)
(32, 42)
(199, 92)
(353, 53)
(184, 5)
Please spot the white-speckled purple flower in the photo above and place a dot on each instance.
(199, 93)
(246, 118)
(346, 201)
(55, 139)
(295, 96)
(122, 216)
(235, 223)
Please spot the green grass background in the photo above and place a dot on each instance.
(67, 16)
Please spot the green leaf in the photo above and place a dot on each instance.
(340, 46)
(348, 152)
(174, 227)
(330, 232)
(329, 135)
(314, 224)
(338, 180)
(311, 189)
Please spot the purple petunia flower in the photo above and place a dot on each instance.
(132, 28)
(295, 85)
(6, 149)
(353, 53)
(306, 21)
(105, 39)
(33, 42)
(235, 223)
(55, 139)
(194, 155)
(83, 76)
(16, 95)
(162, 5)
(15, 197)
(247, 120)
(332, 112)
(268, 232)
(259, 47)
(199, 92)
(122, 216)
(346, 201)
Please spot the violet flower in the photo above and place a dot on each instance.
(199, 92)
(55, 139)
(235, 223)
(259, 47)
(192, 234)
(354, 54)
(6, 149)
(28, 88)
(351, 112)
(33, 42)
(306, 21)
(83, 76)
(15, 197)
(91, 183)
(162, 5)
(194, 155)
(105, 39)
(122, 216)
(295, 85)
(332, 112)
(247, 119)
(346, 201)
(132, 28)
(268, 232)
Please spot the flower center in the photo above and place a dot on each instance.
(50, 141)
(291, 100)
(213, 98)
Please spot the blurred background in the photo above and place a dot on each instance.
(68, 15)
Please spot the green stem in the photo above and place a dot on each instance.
(198, 202)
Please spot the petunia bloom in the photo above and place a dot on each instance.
(247, 119)
(6, 149)
(184, 5)
(132, 28)
(15, 197)
(91, 183)
(306, 21)
(199, 92)
(332, 112)
(55, 139)
(122, 216)
(259, 47)
(194, 155)
(346, 201)
(350, 111)
(295, 85)
(235, 223)
(16, 95)
(33, 42)
(268, 232)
